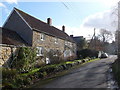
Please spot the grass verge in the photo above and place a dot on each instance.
(59, 74)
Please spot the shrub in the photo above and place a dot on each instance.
(9, 73)
(84, 53)
(55, 56)
(25, 59)
(71, 58)
(116, 70)
(9, 77)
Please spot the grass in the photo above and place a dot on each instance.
(54, 65)
(48, 66)
(30, 73)
(40, 75)
(59, 74)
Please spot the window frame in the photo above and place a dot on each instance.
(40, 51)
(56, 40)
(42, 36)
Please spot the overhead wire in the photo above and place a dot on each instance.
(69, 7)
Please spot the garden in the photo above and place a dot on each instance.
(24, 71)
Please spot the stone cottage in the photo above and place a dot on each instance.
(36, 33)
(9, 41)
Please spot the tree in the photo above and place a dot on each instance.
(116, 13)
(105, 35)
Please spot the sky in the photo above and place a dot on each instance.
(80, 17)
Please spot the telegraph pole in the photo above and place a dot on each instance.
(118, 30)
(93, 41)
(95, 38)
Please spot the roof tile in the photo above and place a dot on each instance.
(41, 26)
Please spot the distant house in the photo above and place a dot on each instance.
(22, 29)
(80, 41)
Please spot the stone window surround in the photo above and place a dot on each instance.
(56, 40)
(40, 51)
(42, 36)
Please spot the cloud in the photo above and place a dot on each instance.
(101, 20)
(2, 5)
(6, 10)
(12, 1)
(87, 32)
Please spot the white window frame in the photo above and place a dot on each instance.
(56, 40)
(40, 51)
(42, 36)
(66, 43)
(71, 44)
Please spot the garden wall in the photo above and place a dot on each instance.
(6, 52)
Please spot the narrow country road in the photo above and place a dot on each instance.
(89, 75)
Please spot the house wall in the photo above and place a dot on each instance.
(5, 53)
(15, 23)
(49, 43)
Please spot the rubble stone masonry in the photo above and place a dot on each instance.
(5, 53)
(49, 42)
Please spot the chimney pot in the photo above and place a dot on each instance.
(63, 28)
(49, 21)
(71, 36)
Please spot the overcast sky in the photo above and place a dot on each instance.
(79, 16)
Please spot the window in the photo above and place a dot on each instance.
(42, 36)
(66, 43)
(56, 40)
(70, 44)
(40, 51)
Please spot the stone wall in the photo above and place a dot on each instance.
(49, 43)
(6, 53)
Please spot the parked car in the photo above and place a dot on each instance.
(104, 55)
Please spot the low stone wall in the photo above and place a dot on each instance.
(6, 52)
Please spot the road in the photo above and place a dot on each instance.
(89, 75)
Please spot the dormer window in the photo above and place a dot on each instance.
(42, 36)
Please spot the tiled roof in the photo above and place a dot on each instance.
(9, 37)
(41, 26)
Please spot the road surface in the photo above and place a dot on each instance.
(89, 75)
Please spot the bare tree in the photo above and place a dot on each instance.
(105, 35)
(116, 13)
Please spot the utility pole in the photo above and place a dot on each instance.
(118, 30)
(93, 41)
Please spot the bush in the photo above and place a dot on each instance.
(71, 58)
(84, 53)
(55, 56)
(9, 73)
(25, 59)
(9, 77)
(116, 70)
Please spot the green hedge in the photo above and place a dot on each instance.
(116, 70)
(12, 78)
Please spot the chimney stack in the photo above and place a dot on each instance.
(71, 36)
(63, 28)
(49, 21)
